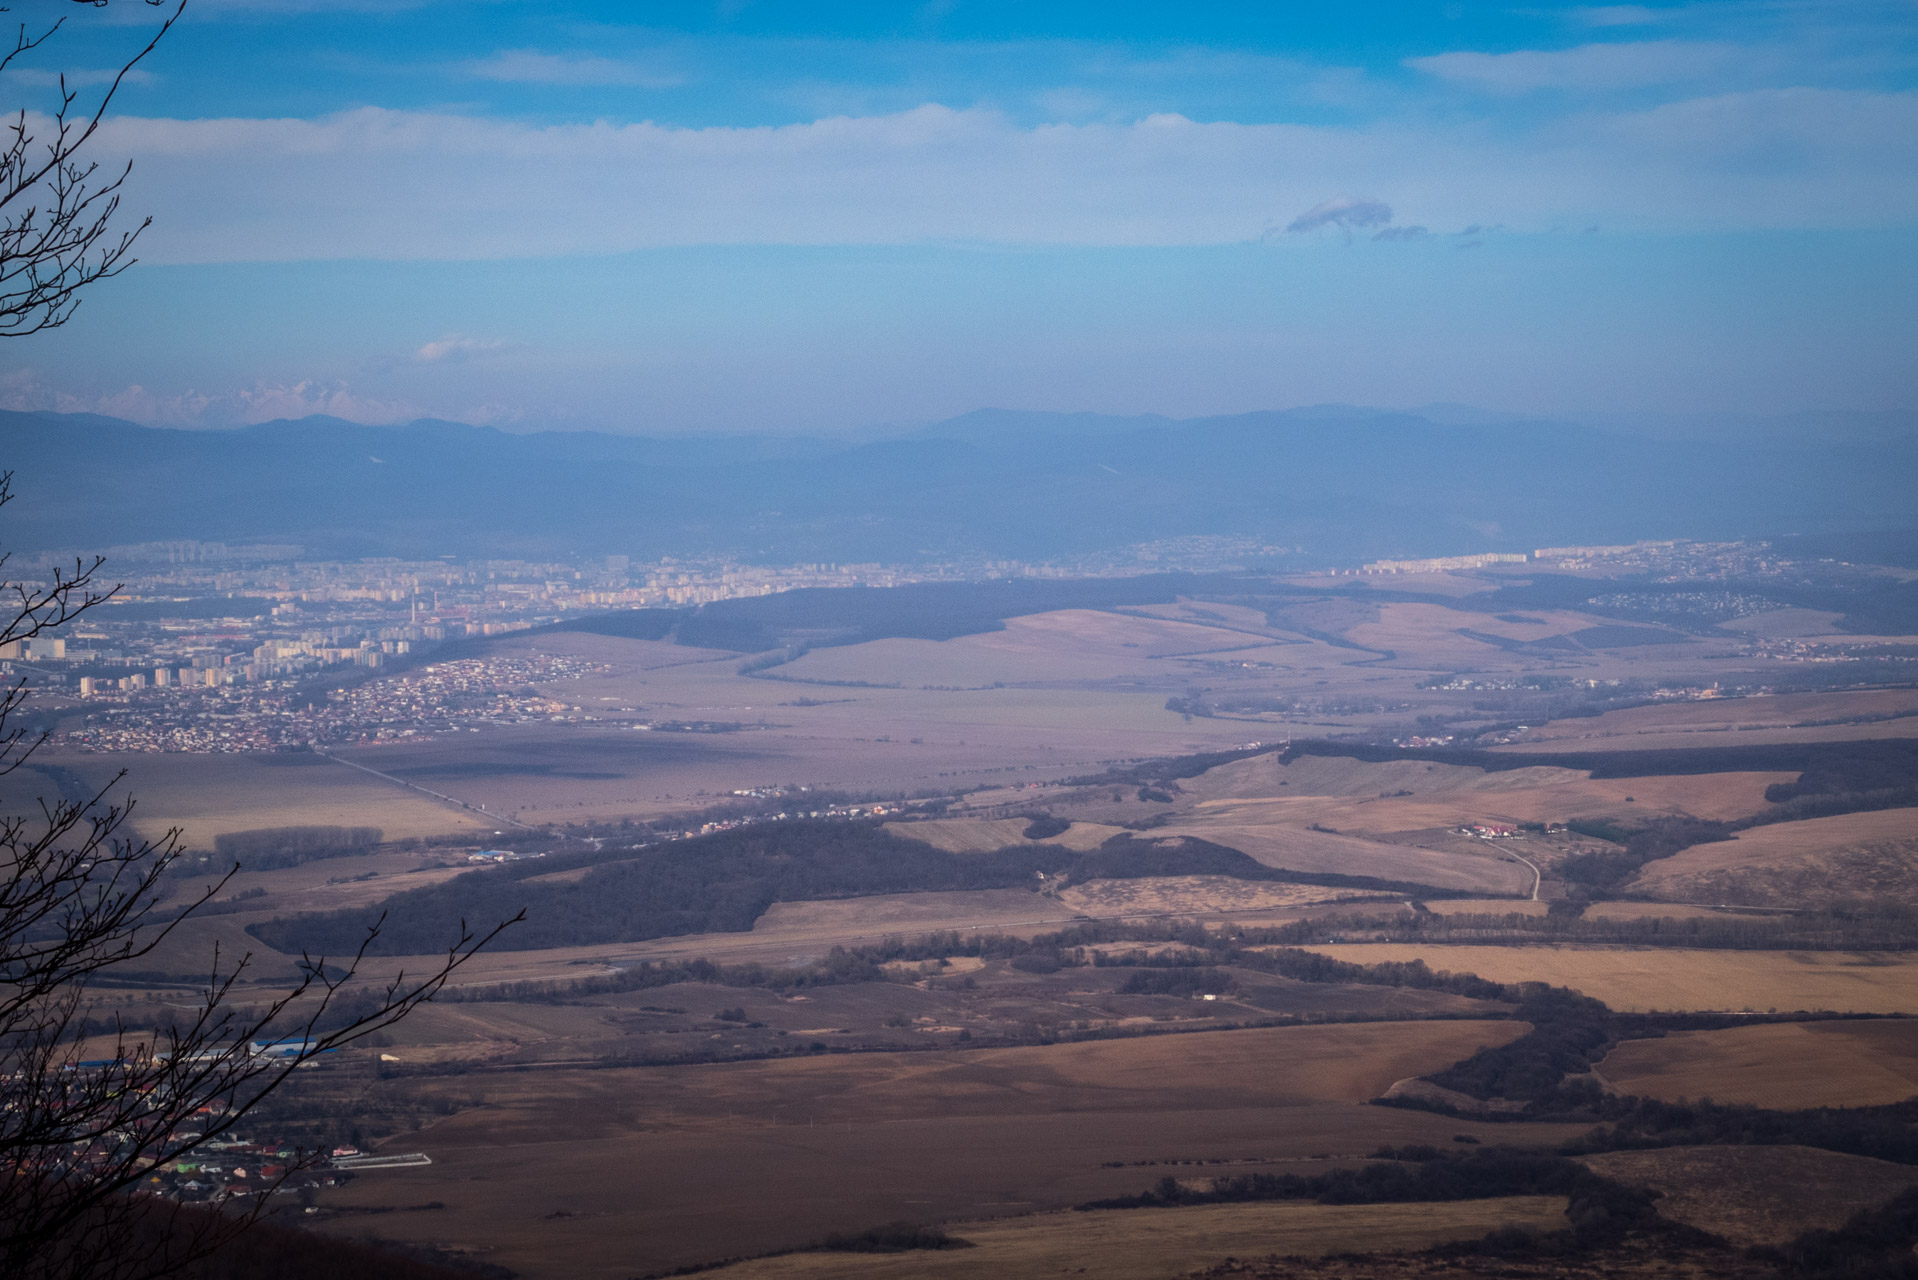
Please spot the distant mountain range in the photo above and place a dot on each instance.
(1341, 483)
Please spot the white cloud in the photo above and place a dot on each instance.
(532, 66)
(455, 349)
(382, 184)
(265, 402)
(1632, 65)
(1616, 15)
(238, 406)
(77, 77)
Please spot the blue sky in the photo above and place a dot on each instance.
(760, 216)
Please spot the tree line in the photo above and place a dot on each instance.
(722, 883)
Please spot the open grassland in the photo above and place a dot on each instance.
(1664, 911)
(1068, 646)
(1155, 1244)
(1790, 622)
(1209, 613)
(772, 729)
(1053, 695)
(1757, 1195)
(1847, 716)
(847, 920)
(927, 1005)
(788, 933)
(1795, 717)
(1646, 979)
(1486, 907)
(1190, 895)
(1410, 795)
(1302, 849)
(612, 1173)
(1435, 633)
(1812, 863)
(209, 795)
(1779, 1065)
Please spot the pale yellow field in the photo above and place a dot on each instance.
(1151, 1244)
(1788, 622)
(1068, 645)
(823, 736)
(1780, 1065)
(1645, 979)
(1199, 895)
(1209, 613)
(852, 919)
(1718, 716)
(1853, 855)
(1052, 695)
(789, 932)
(1297, 848)
(1360, 796)
(1487, 907)
(208, 795)
(1662, 911)
(1432, 631)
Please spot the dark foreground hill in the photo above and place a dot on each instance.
(1338, 483)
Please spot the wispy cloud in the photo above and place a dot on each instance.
(1348, 212)
(76, 78)
(1631, 65)
(232, 407)
(1616, 15)
(456, 349)
(533, 66)
(374, 183)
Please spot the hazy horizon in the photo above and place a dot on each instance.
(771, 217)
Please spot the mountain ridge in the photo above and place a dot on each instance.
(1339, 481)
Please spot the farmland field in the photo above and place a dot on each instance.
(1789, 718)
(630, 1110)
(1661, 911)
(1302, 849)
(1409, 795)
(1780, 1065)
(742, 1157)
(1486, 906)
(1152, 1244)
(1818, 861)
(208, 795)
(1758, 1195)
(1194, 895)
(1643, 979)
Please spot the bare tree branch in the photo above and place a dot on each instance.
(56, 211)
(82, 1129)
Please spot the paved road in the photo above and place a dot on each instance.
(437, 795)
